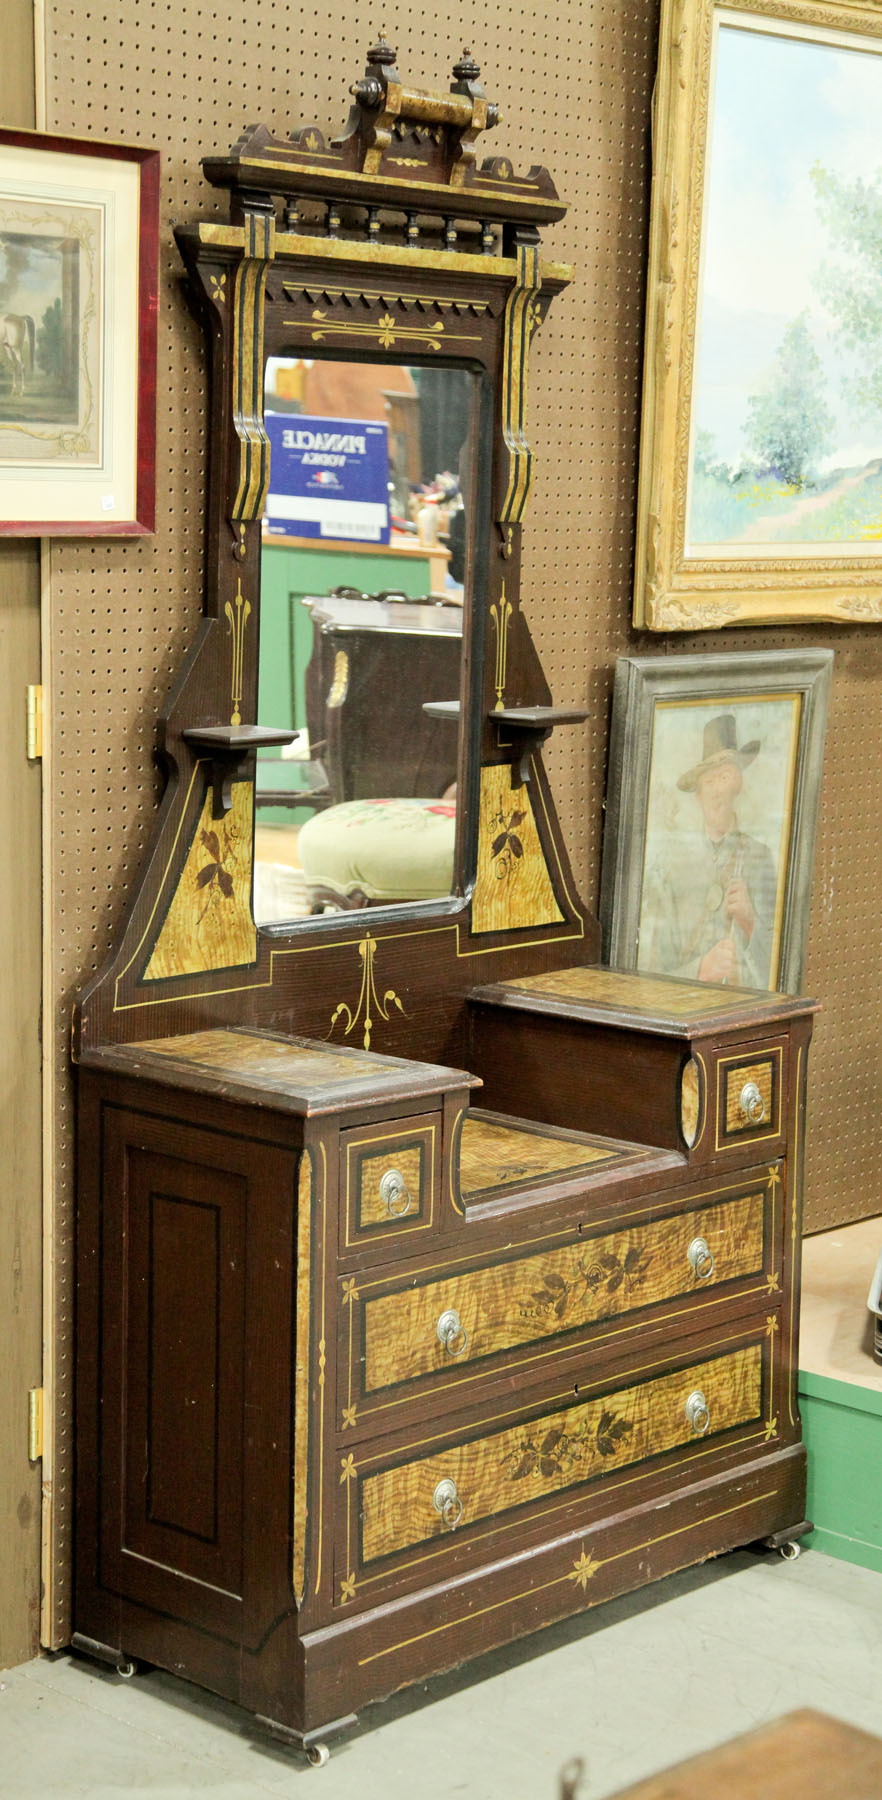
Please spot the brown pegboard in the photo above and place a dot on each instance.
(574, 83)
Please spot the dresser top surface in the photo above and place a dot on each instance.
(660, 1003)
(268, 1068)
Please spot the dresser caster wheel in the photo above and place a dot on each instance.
(318, 1754)
(125, 1668)
(790, 1551)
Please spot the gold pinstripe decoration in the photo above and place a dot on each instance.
(520, 322)
(252, 477)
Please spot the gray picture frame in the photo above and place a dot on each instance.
(659, 701)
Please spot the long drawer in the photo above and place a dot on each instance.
(517, 1472)
(441, 1326)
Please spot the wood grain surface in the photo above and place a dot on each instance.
(762, 1074)
(561, 1449)
(638, 993)
(409, 1160)
(301, 1374)
(493, 1155)
(513, 887)
(534, 1297)
(804, 1756)
(209, 923)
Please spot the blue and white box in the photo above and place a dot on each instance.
(329, 478)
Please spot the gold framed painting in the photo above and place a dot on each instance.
(714, 783)
(760, 494)
(79, 239)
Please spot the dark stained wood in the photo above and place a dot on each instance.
(804, 1756)
(236, 1121)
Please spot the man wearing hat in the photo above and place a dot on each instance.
(709, 904)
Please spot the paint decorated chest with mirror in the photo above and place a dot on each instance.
(434, 1281)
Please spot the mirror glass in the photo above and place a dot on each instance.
(364, 583)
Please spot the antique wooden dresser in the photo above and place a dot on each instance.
(434, 1281)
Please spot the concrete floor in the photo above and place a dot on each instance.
(633, 1687)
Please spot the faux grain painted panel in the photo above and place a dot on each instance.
(563, 1449)
(536, 1297)
(209, 923)
(513, 886)
(762, 1074)
(496, 1156)
(371, 1208)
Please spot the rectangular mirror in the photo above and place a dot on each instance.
(364, 586)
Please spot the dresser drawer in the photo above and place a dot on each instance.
(434, 1326)
(389, 1179)
(518, 1470)
(749, 1090)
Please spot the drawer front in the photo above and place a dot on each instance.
(438, 1327)
(436, 1501)
(564, 1448)
(389, 1179)
(749, 1097)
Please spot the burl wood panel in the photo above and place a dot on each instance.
(209, 923)
(762, 1073)
(652, 994)
(513, 886)
(493, 1155)
(690, 1102)
(535, 1297)
(412, 1161)
(562, 1449)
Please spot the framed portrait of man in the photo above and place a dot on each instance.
(712, 801)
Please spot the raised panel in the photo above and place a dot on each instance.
(183, 1351)
(184, 1364)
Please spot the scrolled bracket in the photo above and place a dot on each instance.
(249, 481)
(521, 320)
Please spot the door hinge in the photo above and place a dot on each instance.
(35, 723)
(35, 1424)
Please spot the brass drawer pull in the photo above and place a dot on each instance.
(697, 1413)
(394, 1190)
(450, 1331)
(752, 1103)
(700, 1258)
(446, 1501)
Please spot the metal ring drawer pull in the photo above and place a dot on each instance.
(446, 1501)
(697, 1413)
(450, 1331)
(700, 1258)
(752, 1103)
(394, 1190)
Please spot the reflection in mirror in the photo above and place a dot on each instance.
(363, 597)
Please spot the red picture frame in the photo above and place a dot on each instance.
(79, 231)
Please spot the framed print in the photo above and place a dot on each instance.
(714, 780)
(760, 494)
(79, 236)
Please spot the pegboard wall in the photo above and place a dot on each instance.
(574, 83)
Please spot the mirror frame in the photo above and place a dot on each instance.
(390, 236)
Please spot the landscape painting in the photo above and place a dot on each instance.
(785, 454)
(49, 336)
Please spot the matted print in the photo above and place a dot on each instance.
(714, 778)
(78, 260)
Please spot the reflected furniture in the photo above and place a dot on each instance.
(375, 663)
(434, 1283)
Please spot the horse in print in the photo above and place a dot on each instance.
(17, 341)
